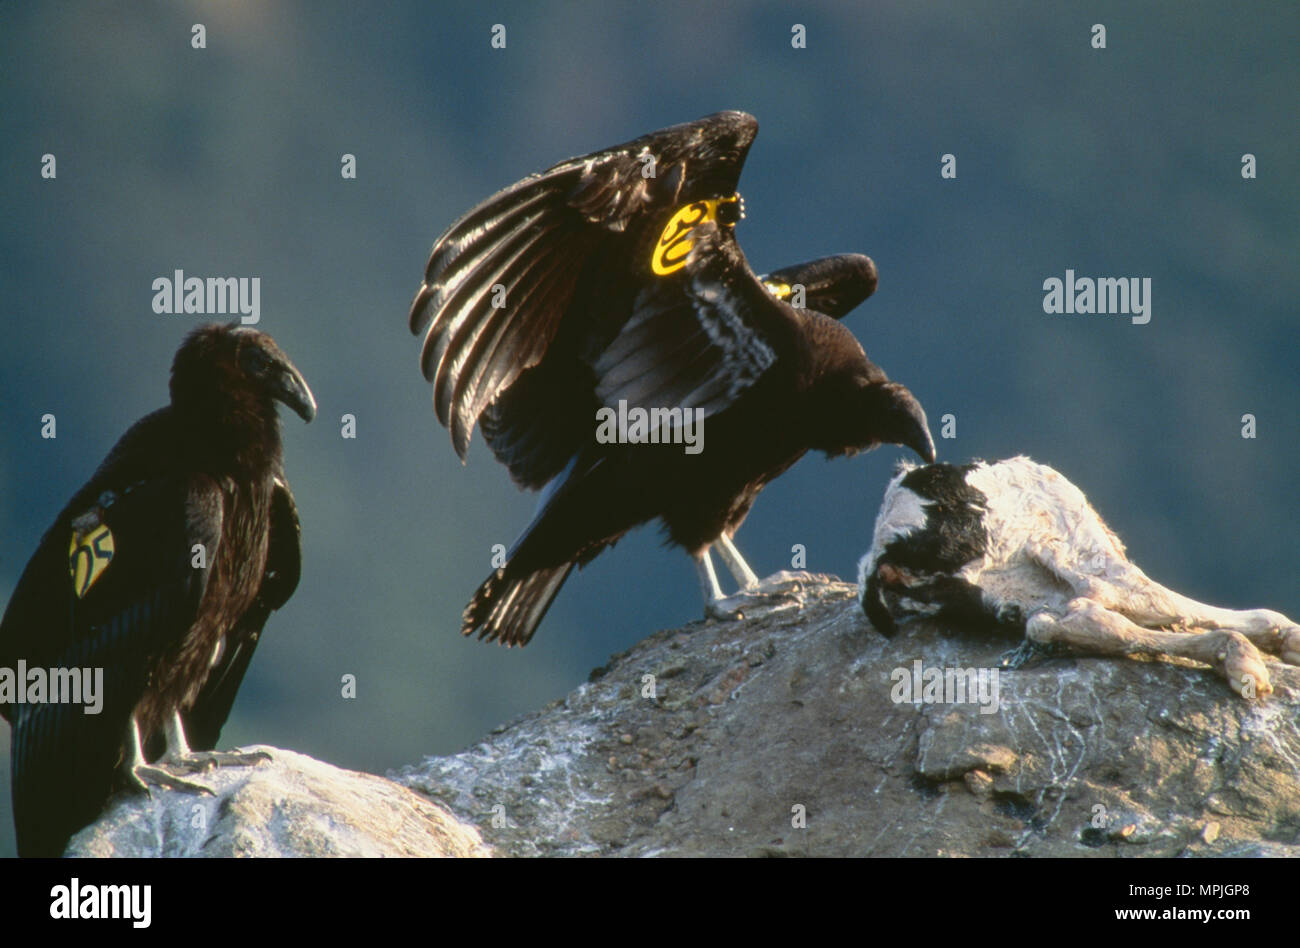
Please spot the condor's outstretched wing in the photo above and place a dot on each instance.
(204, 721)
(696, 340)
(109, 590)
(557, 260)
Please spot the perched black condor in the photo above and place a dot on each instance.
(161, 572)
(600, 323)
(1015, 548)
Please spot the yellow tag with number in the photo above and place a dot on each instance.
(675, 243)
(88, 557)
(777, 289)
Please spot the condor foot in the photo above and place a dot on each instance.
(780, 592)
(170, 772)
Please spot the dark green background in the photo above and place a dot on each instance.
(1122, 162)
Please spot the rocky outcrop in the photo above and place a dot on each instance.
(783, 734)
(289, 805)
(780, 735)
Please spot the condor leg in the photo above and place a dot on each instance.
(142, 774)
(180, 759)
(745, 577)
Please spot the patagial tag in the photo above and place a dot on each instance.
(675, 242)
(88, 556)
(778, 289)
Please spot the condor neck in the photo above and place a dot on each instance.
(230, 437)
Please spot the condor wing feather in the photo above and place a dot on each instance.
(700, 342)
(503, 279)
(204, 721)
(833, 286)
(132, 596)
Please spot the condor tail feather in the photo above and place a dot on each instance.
(509, 605)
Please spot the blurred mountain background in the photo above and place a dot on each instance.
(225, 162)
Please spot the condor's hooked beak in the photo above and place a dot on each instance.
(920, 440)
(289, 387)
(906, 422)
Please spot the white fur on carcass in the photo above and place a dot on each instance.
(1052, 556)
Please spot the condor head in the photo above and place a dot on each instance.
(868, 410)
(234, 370)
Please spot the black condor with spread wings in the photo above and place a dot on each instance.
(615, 280)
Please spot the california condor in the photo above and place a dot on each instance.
(613, 283)
(161, 572)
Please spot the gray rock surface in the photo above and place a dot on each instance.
(778, 735)
(290, 805)
(754, 722)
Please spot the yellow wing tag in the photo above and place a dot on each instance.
(779, 290)
(675, 242)
(88, 557)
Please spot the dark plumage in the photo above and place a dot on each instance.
(595, 283)
(114, 584)
(834, 285)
